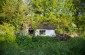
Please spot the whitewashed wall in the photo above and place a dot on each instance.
(48, 32)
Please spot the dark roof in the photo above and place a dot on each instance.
(46, 25)
(42, 25)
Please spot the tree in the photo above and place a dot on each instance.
(57, 11)
(14, 12)
(79, 6)
(1, 18)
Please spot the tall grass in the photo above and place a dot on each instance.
(44, 46)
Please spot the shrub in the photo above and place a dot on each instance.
(7, 33)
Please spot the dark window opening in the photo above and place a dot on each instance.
(42, 32)
(31, 31)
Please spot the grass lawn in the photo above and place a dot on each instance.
(43, 46)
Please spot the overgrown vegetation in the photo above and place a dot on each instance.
(43, 46)
(7, 33)
(67, 15)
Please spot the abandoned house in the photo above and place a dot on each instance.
(43, 29)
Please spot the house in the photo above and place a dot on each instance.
(45, 32)
(43, 29)
(42, 32)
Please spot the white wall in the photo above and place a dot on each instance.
(48, 32)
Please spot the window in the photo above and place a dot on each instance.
(42, 32)
(31, 31)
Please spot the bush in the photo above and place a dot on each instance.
(7, 33)
(45, 46)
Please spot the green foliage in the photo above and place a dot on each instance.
(63, 13)
(79, 6)
(7, 33)
(14, 12)
(45, 46)
(53, 12)
(77, 47)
